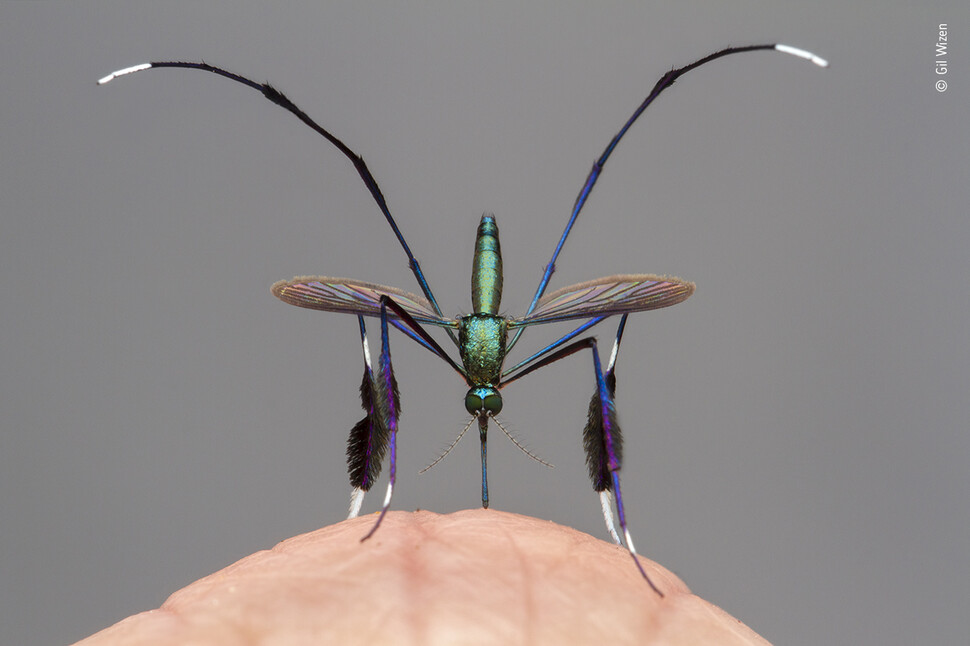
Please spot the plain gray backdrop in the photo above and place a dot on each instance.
(797, 432)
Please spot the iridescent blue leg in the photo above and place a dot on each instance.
(388, 402)
(367, 443)
(602, 437)
(665, 81)
(387, 397)
(368, 439)
(281, 100)
(555, 344)
(609, 430)
(606, 500)
(420, 335)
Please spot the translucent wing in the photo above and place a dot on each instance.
(354, 297)
(621, 294)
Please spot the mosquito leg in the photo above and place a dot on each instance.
(388, 403)
(604, 448)
(606, 500)
(665, 82)
(602, 438)
(569, 336)
(386, 399)
(420, 334)
(280, 99)
(356, 501)
(367, 443)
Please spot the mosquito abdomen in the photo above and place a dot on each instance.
(487, 268)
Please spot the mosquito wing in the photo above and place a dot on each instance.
(621, 294)
(354, 297)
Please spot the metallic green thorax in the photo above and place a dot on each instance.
(487, 268)
(481, 338)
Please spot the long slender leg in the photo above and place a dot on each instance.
(602, 437)
(385, 401)
(665, 81)
(593, 442)
(606, 502)
(422, 335)
(562, 353)
(606, 499)
(389, 404)
(555, 344)
(367, 443)
(280, 99)
(413, 335)
(611, 439)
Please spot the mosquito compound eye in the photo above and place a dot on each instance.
(473, 402)
(483, 399)
(493, 403)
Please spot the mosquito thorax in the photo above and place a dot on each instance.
(483, 399)
(482, 340)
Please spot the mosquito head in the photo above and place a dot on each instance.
(483, 399)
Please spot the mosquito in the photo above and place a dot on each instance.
(484, 337)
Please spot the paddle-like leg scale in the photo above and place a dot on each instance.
(594, 441)
(388, 408)
(367, 443)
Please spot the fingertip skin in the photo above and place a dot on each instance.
(476, 576)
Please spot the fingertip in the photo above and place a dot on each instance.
(473, 576)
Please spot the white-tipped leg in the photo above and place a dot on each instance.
(629, 541)
(356, 500)
(616, 349)
(387, 504)
(388, 401)
(633, 554)
(801, 53)
(388, 495)
(626, 534)
(363, 342)
(606, 500)
(124, 72)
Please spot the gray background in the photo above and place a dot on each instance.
(797, 432)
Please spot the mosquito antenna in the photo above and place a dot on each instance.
(448, 450)
(280, 99)
(521, 447)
